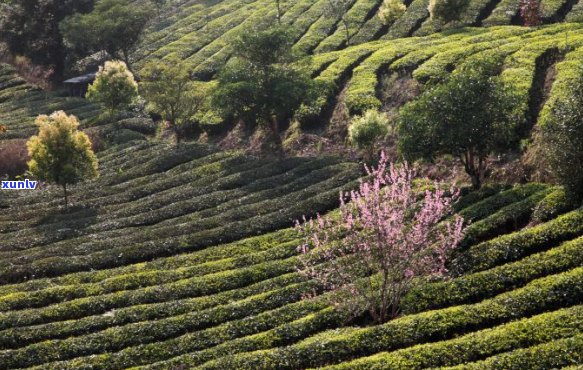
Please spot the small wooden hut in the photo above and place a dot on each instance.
(78, 85)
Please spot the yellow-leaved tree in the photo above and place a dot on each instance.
(391, 10)
(60, 153)
(114, 87)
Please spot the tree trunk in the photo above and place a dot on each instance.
(278, 11)
(369, 155)
(66, 197)
(476, 181)
(276, 137)
(126, 59)
(59, 57)
(476, 172)
(174, 127)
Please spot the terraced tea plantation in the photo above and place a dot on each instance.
(21, 103)
(183, 256)
(526, 56)
(158, 266)
(201, 33)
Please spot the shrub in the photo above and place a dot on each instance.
(487, 283)
(364, 131)
(469, 198)
(128, 311)
(391, 10)
(216, 320)
(511, 247)
(167, 238)
(124, 136)
(553, 205)
(142, 125)
(539, 329)
(330, 347)
(561, 126)
(550, 355)
(496, 197)
(447, 11)
(507, 219)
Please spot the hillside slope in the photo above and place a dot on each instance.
(528, 57)
(93, 289)
(201, 32)
(182, 256)
(21, 102)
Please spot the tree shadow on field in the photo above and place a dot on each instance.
(60, 226)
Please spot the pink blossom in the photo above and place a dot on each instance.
(385, 233)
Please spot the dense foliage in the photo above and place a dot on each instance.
(31, 28)
(447, 11)
(114, 87)
(260, 85)
(562, 135)
(364, 131)
(60, 153)
(169, 88)
(391, 10)
(468, 117)
(113, 25)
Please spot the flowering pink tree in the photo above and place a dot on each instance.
(531, 12)
(385, 236)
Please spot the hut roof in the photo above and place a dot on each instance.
(89, 77)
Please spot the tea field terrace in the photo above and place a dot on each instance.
(157, 267)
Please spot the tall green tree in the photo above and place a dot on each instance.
(469, 117)
(61, 154)
(261, 84)
(114, 87)
(31, 28)
(170, 90)
(114, 26)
